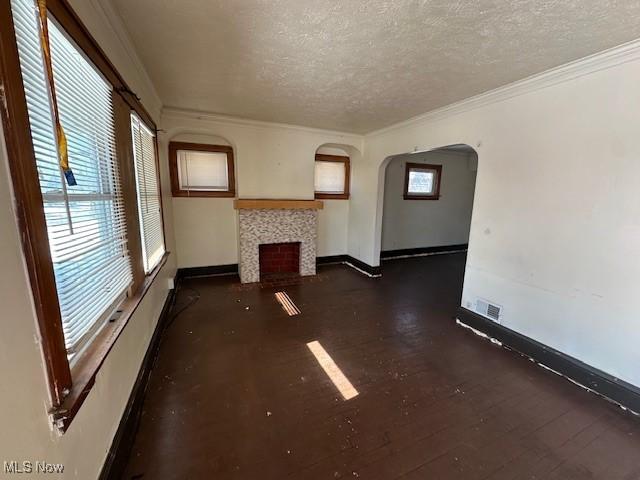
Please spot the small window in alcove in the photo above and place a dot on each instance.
(332, 177)
(201, 170)
(422, 181)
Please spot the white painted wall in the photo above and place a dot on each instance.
(332, 228)
(429, 223)
(271, 161)
(27, 433)
(555, 233)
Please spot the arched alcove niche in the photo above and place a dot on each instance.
(205, 229)
(333, 219)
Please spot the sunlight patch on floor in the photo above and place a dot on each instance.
(334, 373)
(287, 304)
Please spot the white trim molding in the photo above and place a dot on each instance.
(176, 112)
(606, 59)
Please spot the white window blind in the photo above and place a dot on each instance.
(330, 177)
(86, 222)
(149, 207)
(203, 171)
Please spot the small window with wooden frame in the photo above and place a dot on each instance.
(422, 181)
(77, 209)
(201, 170)
(332, 177)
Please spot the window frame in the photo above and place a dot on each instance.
(422, 166)
(141, 236)
(321, 157)
(176, 191)
(68, 385)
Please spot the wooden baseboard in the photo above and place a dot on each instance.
(351, 261)
(373, 271)
(229, 269)
(122, 443)
(590, 377)
(232, 269)
(376, 271)
(331, 259)
(416, 252)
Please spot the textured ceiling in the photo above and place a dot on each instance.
(358, 65)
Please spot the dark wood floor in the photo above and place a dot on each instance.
(236, 393)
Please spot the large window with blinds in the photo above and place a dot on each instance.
(93, 240)
(148, 189)
(85, 222)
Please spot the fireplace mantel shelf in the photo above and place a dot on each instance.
(277, 204)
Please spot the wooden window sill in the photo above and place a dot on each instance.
(203, 194)
(421, 197)
(85, 370)
(331, 196)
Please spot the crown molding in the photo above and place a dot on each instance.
(176, 112)
(439, 151)
(114, 21)
(606, 59)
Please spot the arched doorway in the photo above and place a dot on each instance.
(427, 204)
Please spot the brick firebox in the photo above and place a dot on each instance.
(279, 259)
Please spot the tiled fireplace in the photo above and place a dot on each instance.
(275, 223)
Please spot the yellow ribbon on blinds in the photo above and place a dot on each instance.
(63, 154)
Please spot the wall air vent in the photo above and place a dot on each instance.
(489, 310)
